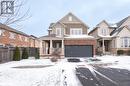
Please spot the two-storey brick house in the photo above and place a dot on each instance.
(10, 37)
(70, 36)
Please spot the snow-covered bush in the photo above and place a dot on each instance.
(128, 52)
(55, 55)
(120, 52)
(54, 59)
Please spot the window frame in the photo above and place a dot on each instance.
(125, 42)
(12, 35)
(104, 31)
(76, 31)
(58, 33)
(70, 18)
(0, 32)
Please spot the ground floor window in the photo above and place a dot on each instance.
(125, 42)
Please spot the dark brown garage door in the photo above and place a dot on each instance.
(78, 51)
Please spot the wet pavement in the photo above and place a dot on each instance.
(103, 76)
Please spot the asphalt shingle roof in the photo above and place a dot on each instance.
(12, 30)
(122, 21)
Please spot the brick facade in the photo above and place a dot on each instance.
(19, 38)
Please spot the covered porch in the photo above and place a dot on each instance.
(104, 45)
(51, 45)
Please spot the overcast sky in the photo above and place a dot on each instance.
(91, 12)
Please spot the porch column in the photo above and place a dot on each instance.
(103, 46)
(51, 47)
(62, 43)
(43, 47)
(46, 48)
(62, 52)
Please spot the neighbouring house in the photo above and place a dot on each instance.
(112, 37)
(69, 36)
(10, 37)
(34, 41)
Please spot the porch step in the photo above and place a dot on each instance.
(107, 53)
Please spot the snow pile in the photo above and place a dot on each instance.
(80, 36)
(123, 62)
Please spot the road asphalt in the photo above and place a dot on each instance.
(103, 76)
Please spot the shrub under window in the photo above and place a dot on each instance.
(120, 52)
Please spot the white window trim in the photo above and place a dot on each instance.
(26, 39)
(0, 32)
(59, 32)
(70, 18)
(74, 31)
(104, 31)
(12, 35)
(20, 37)
(123, 42)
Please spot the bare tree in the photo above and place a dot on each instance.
(16, 15)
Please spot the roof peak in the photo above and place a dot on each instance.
(101, 22)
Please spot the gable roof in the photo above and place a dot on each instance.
(102, 22)
(74, 17)
(3, 26)
(53, 24)
(117, 31)
(93, 30)
(122, 21)
(98, 26)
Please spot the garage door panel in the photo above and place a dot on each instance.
(78, 51)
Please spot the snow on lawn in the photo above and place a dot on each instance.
(45, 73)
(122, 62)
(56, 74)
(48, 76)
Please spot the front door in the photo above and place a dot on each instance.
(106, 43)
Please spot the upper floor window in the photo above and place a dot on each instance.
(104, 31)
(58, 31)
(70, 18)
(20, 37)
(125, 42)
(2, 32)
(26, 39)
(12, 35)
(76, 31)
